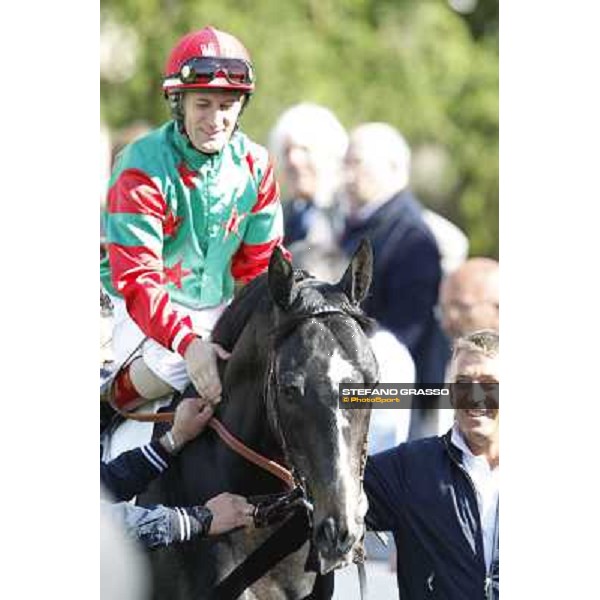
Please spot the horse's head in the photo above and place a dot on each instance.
(320, 342)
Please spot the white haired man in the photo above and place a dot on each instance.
(309, 143)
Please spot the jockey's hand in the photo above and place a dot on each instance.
(229, 512)
(201, 362)
(191, 417)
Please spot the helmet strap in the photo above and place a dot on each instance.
(175, 101)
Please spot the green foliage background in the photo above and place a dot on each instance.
(417, 64)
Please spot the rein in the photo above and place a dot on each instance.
(229, 439)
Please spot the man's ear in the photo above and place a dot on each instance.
(281, 280)
(356, 280)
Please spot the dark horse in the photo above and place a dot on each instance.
(293, 341)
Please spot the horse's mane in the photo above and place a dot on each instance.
(254, 298)
(251, 298)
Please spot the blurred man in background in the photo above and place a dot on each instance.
(407, 265)
(470, 298)
(309, 143)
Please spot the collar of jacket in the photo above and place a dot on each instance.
(456, 456)
(455, 453)
(194, 158)
(399, 206)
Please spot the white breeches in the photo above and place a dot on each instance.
(165, 364)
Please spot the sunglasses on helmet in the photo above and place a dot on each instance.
(203, 70)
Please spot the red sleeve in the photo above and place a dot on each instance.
(253, 259)
(264, 232)
(136, 213)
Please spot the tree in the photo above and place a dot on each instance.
(419, 65)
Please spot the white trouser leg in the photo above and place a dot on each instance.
(129, 341)
(166, 365)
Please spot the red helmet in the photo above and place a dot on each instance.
(209, 59)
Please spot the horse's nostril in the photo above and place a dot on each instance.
(346, 541)
(328, 532)
(333, 539)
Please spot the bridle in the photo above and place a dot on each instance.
(281, 332)
(278, 335)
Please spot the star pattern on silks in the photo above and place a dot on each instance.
(171, 224)
(233, 223)
(175, 274)
(250, 161)
(190, 178)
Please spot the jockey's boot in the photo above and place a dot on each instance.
(135, 385)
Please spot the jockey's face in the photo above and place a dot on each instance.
(210, 118)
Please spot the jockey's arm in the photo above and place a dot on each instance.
(135, 221)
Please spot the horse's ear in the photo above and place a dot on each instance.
(356, 280)
(281, 280)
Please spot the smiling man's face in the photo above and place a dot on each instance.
(479, 426)
(210, 118)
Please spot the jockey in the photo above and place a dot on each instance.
(193, 209)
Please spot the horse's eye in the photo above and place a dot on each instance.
(291, 383)
(290, 390)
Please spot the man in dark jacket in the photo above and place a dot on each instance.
(407, 266)
(131, 472)
(439, 496)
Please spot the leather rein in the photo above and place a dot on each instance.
(229, 439)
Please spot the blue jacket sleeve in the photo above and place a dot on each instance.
(383, 486)
(131, 472)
